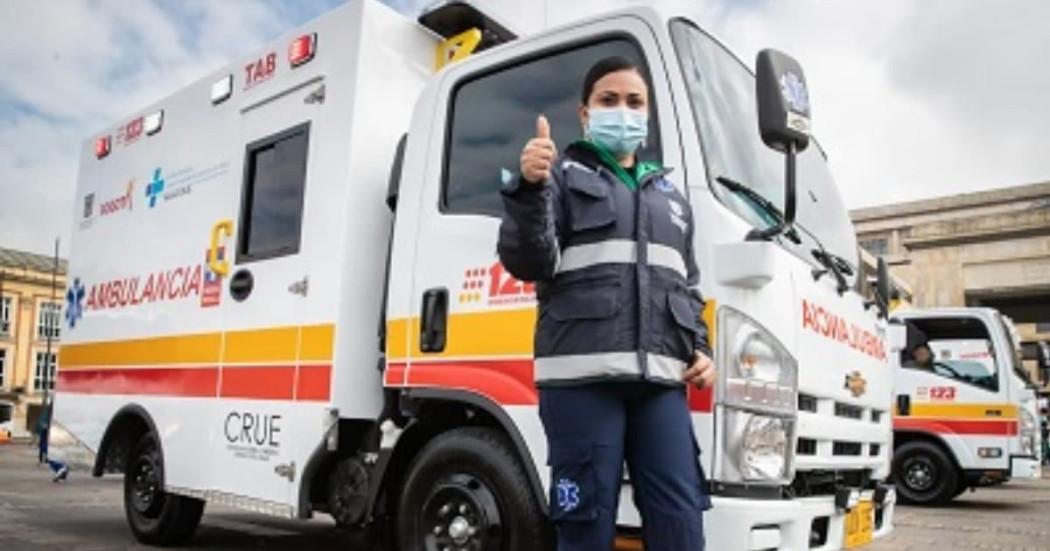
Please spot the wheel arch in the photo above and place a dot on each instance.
(901, 437)
(128, 424)
(434, 411)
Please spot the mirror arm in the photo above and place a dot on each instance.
(788, 221)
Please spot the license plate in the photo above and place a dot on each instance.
(860, 524)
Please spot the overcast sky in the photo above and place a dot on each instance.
(911, 99)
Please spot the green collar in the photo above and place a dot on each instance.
(628, 177)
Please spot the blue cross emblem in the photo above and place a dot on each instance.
(75, 302)
(155, 187)
(794, 91)
(568, 494)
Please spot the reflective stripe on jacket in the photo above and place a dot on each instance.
(616, 279)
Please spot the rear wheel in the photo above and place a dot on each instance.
(467, 490)
(155, 516)
(924, 474)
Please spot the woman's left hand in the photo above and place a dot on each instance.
(701, 372)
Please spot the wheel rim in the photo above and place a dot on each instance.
(920, 474)
(145, 486)
(461, 514)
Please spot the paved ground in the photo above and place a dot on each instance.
(86, 514)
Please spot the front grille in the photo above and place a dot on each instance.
(813, 483)
(806, 446)
(876, 415)
(874, 449)
(845, 448)
(848, 411)
(807, 403)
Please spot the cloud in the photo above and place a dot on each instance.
(911, 99)
(97, 62)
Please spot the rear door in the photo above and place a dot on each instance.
(264, 298)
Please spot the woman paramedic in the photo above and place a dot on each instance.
(608, 240)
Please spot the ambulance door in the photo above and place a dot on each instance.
(266, 290)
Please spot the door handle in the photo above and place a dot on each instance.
(241, 284)
(434, 320)
(903, 404)
(220, 266)
(993, 413)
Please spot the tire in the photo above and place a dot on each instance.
(154, 516)
(467, 489)
(924, 474)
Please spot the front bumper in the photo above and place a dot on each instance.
(787, 524)
(1024, 467)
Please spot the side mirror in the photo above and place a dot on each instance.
(783, 102)
(783, 121)
(883, 287)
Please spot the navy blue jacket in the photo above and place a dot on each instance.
(616, 278)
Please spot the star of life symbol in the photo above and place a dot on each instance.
(568, 494)
(75, 303)
(794, 91)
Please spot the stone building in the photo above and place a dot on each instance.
(28, 314)
(987, 248)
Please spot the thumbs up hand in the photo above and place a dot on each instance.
(538, 155)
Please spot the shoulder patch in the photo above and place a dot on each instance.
(569, 163)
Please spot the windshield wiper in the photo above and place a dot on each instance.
(763, 206)
(833, 264)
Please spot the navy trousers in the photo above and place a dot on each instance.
(591, 430)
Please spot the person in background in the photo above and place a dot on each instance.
(921, 357)
(1046, 436)
(43, 425)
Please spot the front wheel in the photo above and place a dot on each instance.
(155, 516)
(467, 490)
(924, 474)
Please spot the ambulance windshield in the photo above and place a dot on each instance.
(722, 92)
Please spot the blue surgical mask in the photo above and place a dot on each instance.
(618, 129)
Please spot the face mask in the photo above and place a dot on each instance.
(618, 129)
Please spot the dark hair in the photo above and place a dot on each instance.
(605, 66)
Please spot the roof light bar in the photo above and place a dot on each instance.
(222, 89)
(302, 49)
(153, 122)
(102, 146)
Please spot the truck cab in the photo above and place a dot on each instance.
(965, 409)
(354, 185)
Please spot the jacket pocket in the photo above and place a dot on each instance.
(684, 310)
(573, 487)
(591, 204)
(586, 299)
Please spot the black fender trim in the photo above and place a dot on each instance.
(129, 410)
(506, 423)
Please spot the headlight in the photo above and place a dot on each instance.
(1028, 423)
(757, 371)
(1028, 431)
(757, 395)
(1027, 445)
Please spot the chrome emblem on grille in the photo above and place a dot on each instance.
(856, 384)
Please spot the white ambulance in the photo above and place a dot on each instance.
(285, 294)
(968, 417)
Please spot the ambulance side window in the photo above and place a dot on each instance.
(272, 205)
(493, 114)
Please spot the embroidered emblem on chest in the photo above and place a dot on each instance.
(676, 213)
